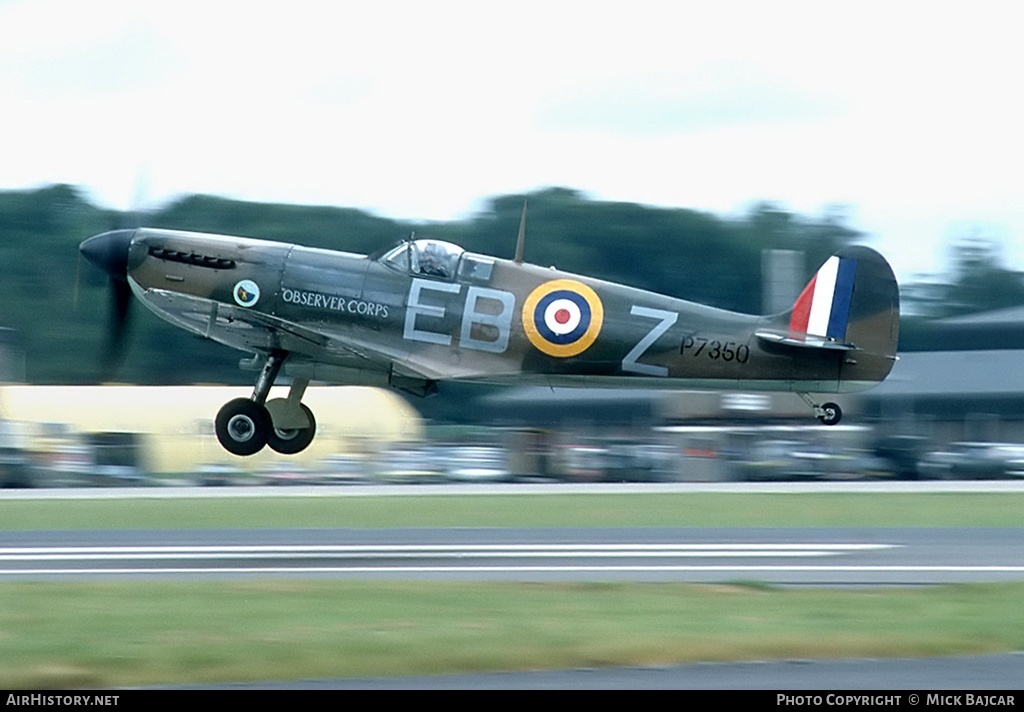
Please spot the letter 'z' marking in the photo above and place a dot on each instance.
(665, 321)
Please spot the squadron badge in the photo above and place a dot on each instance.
(247, 293)
(563, 317)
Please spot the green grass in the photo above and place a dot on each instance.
(526, 510)
(113, 634)
(126, 634)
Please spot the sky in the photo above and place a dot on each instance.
(907, 113)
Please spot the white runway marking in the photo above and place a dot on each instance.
(153, 559)
(710, 559)
(424, 551)
(401, 550)
(523, 569)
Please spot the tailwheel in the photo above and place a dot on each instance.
(830, 414)
(826, 413)
(289, 441)
(243, 426)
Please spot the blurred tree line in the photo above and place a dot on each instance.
(977, 281)
(58, 303)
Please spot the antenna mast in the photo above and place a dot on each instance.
(522, 236)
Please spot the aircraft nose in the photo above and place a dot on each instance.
(109, 251)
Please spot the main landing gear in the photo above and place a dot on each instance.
(827, 413)
(245, 425)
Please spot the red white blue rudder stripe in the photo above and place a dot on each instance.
(823, 308)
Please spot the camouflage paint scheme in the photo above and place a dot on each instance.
(426, 311)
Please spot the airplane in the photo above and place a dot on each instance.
(425, 310)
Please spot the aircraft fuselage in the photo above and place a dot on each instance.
(353, 318)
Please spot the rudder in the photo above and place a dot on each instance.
(853, 300)
(823, 308)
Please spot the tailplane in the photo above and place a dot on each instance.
(851, 304)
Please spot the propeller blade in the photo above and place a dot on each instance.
(109, 252)
(120, 310)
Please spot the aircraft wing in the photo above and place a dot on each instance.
(249, 330)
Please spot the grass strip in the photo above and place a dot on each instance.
(527, 510)
(103, 635)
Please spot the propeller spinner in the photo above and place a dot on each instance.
(109, 252)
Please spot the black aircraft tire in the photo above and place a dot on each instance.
(831, 414)
(242, 427)
(290, 442)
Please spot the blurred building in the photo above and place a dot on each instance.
(170, 429)
(604, 408)
(643, 435)
(958, 379)
(782, 278)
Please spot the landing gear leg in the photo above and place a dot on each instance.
(828, 413)
(268, 375)
(243, 425)
(294, 426)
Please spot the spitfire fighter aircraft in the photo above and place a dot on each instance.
(426, 310)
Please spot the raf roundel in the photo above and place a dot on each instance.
(247, 293)
(563, 317)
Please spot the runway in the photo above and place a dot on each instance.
(783, 556)
(787, 556)
(921, 677)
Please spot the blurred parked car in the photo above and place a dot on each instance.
(117, 476)
(342, 470)
(408, 464)
(282, 473)
(1014, 455)
(477, 463)
(15, 468)
(582, 463)
(636, 461)
(767, 460)
(116, 460)
(974, 461)
(938, 465)
(988, 460)
(218, 475)
(901, 455)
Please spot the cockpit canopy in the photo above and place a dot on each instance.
(438, 259)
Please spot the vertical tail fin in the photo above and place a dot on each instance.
(851, 304)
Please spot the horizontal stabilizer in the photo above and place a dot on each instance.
(803, 341)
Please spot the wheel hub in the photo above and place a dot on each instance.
(241, 428)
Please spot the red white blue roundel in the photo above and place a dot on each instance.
(562, 317)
